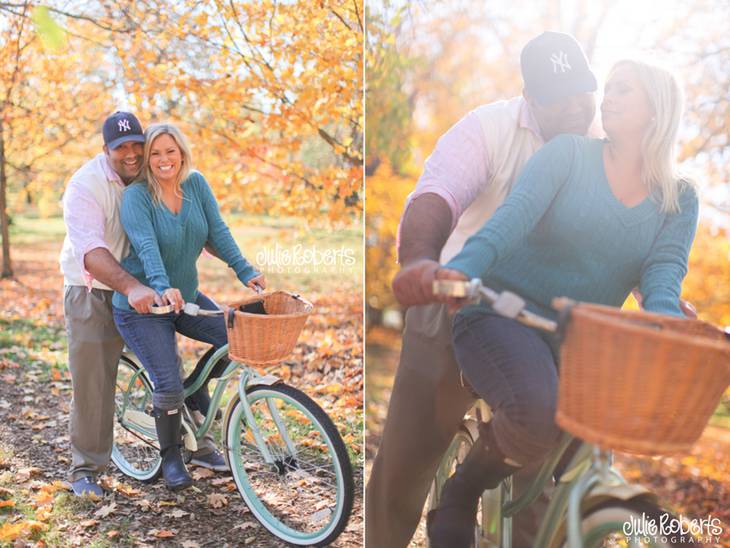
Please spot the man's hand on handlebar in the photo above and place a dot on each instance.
(453, 303)
(413, 284)
(141, 298)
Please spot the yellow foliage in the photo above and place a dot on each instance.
(385, 196)
(269, 93)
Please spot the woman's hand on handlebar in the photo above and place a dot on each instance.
(259, 281)
(172, 296)
(453, 303)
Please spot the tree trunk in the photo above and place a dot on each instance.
(7, 270)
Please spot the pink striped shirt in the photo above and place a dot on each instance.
(458, 170)
(84, 218)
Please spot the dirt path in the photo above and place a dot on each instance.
(35, 394)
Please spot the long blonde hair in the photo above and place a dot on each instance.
(659, 169)
(153, 132)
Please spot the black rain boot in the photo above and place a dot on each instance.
(168, 433)
(451, 525)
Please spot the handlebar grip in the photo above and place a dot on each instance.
(162, 309)
(454, 288)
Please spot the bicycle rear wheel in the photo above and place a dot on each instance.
(135, 450)
(304, 495)
(603, 526)
(488, 523)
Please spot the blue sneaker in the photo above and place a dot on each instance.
(87, 486)
(212, 459)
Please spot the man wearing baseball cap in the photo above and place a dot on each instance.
(95, 243)
(465, 179)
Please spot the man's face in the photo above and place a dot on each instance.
(572, 114)
(126, 160)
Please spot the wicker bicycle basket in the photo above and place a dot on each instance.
(639, 382)
(269, 335)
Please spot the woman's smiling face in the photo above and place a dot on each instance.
(165, 159)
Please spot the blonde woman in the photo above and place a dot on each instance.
(169, 218)
(589, 219)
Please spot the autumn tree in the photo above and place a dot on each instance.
(269, 93)
(46, 117)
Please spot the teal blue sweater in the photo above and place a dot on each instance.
(562, 232)
(165, 246)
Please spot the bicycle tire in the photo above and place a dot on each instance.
(135, 451)
(281, 494)
(602, 525)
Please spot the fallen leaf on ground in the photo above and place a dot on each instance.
(202, 473)
(216, 500)
(24, 474)
(105, 511)
(89, 523)
(128, 490)
(144, 504)
(11, 531)
(7, 503)
(164, 533)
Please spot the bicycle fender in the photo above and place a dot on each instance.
(268, 380)
(623, 491)
(600, 494)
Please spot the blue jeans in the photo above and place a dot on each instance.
(152, 338)
(513, 368)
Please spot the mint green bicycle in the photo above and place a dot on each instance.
(286, 456)
(592, 504)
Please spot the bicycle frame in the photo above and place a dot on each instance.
(249, 377)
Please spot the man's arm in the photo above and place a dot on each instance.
(84, 221)
(425, 227)
(102, 265)
(454, 175)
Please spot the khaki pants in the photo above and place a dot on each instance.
(94, 348)
(427, 405)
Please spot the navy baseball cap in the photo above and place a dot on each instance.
(121, 127)
(554, 67)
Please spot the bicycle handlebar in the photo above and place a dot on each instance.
(506, 303)
(192, 309)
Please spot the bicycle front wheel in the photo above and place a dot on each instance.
(135, 451)
(617, 522)
(303, 491)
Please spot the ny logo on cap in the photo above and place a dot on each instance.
(560, 61)
(124, 125)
